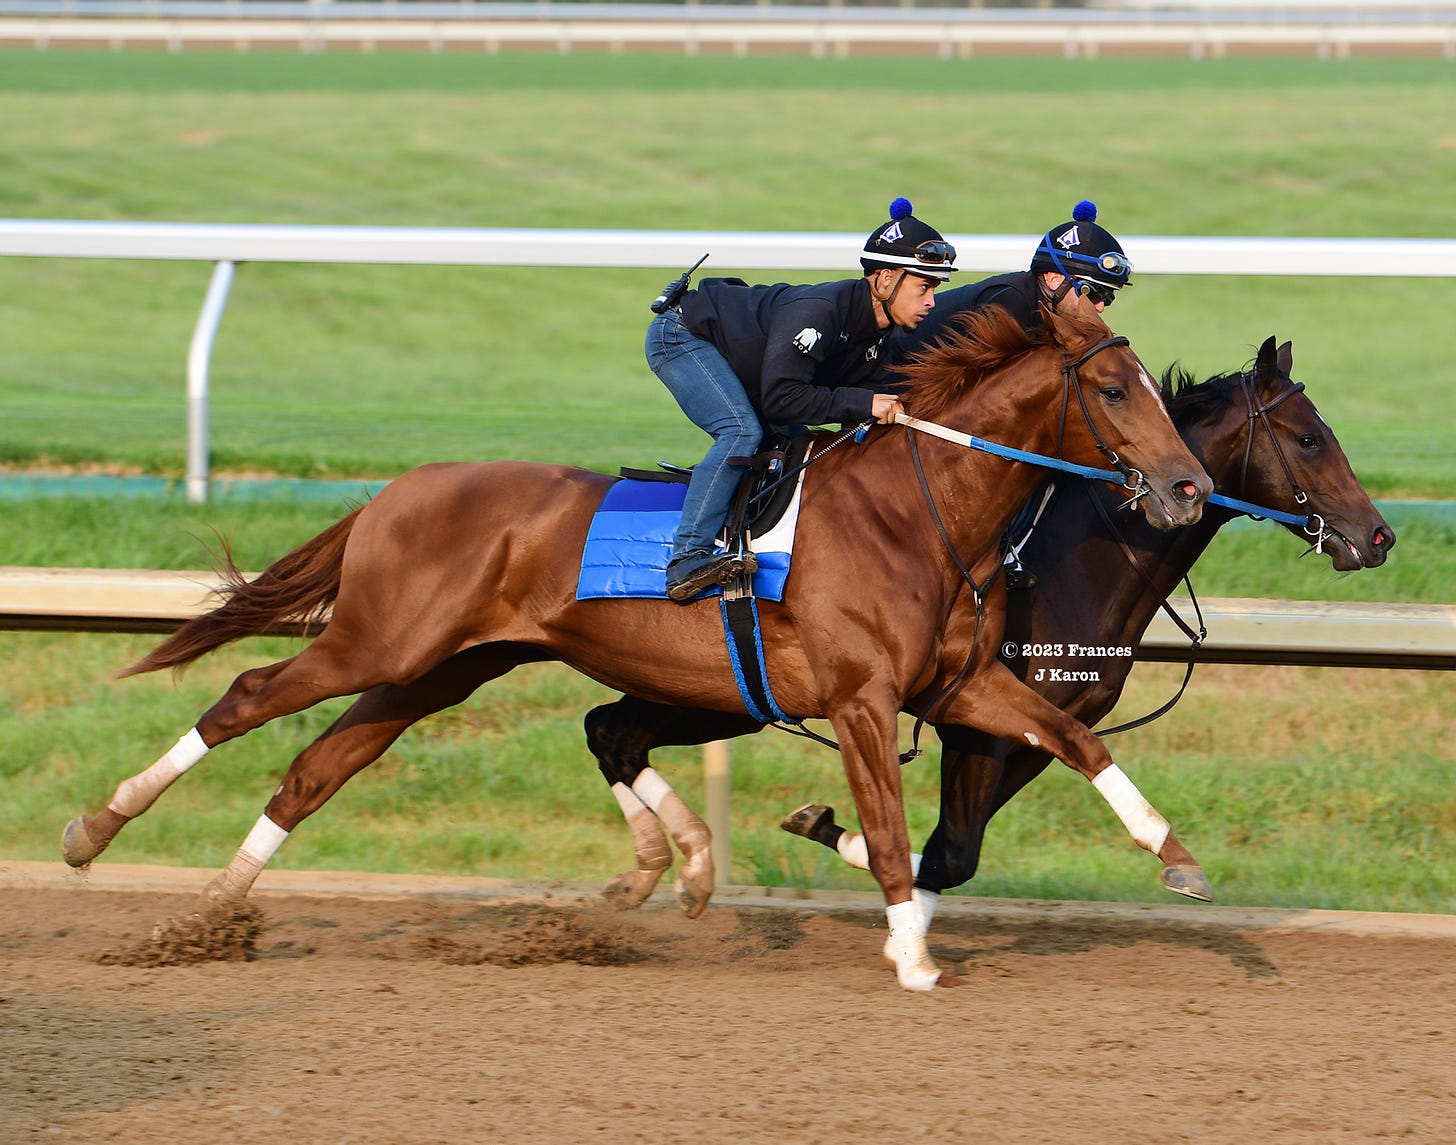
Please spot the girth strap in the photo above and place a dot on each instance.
(745, 650)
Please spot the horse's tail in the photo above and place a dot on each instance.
(297, 588)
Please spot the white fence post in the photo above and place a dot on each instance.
(199, 359)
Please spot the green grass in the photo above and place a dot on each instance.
(328, 370)
(1295, 787)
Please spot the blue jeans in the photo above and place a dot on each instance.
(709, 392)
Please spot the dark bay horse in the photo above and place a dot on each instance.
(1101, 577)
(456, 573)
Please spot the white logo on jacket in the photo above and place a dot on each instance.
(806, 339)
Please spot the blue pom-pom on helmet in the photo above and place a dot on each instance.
(1082, 251)
(906, 243)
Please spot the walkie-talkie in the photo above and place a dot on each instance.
(674, 290)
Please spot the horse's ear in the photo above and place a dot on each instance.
(1266, 353)
(1286, 358)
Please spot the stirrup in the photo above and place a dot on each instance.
(721, 570)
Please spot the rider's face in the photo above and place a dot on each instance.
(913, 301)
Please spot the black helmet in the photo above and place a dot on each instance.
(1083, 252)
(905, 243)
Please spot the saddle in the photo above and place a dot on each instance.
(764, 490)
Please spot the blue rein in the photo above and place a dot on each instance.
(970, 441)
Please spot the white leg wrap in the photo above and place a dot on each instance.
(853, 850)
(627, 800)
(1148, 829)
(653, 852)
(651, 788)
(906, 948)
(263, 840)
(927, 901)
(135, 795)
(261, 845)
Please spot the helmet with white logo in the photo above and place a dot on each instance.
(1083, 252)
(905, 243)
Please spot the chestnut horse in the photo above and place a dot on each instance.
(456, 573)
(1101, 577)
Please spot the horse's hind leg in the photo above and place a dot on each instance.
(87, 836)
(254, 698)
(620, 735)
(355, 740)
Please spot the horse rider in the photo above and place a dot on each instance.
(1076, 258)
(738, 357)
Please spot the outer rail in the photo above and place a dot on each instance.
(1329, 29)
(1315, 634)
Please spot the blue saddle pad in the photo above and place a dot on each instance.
(630, 540)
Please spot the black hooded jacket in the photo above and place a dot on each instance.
(806, 355)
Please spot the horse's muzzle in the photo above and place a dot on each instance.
(1178, 502)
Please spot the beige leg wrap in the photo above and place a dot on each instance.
(136, 794)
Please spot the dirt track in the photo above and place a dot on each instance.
(471, 1016)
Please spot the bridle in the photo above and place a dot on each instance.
(1313, 524)
(1133, 481)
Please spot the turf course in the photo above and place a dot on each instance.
(1296, 787)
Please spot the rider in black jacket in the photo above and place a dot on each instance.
(737, 357)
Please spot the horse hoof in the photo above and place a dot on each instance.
(76, 846)
(809, 820)
(1188, 881)
(694, 885)
(631, 889)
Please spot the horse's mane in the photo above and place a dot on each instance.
(1191, 402)
(978, 342)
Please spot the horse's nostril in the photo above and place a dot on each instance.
(1383, 538)
(1185, 491)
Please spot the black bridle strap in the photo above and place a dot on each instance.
(1258, 412)
(1070, 382)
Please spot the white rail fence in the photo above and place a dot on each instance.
(228, 245)
(1197, 28)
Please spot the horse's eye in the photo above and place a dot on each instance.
(1307, 440)
(1114, 394)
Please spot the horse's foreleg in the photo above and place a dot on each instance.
(355, 740)
(620, 735)
(996, 702)
(866, 733)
